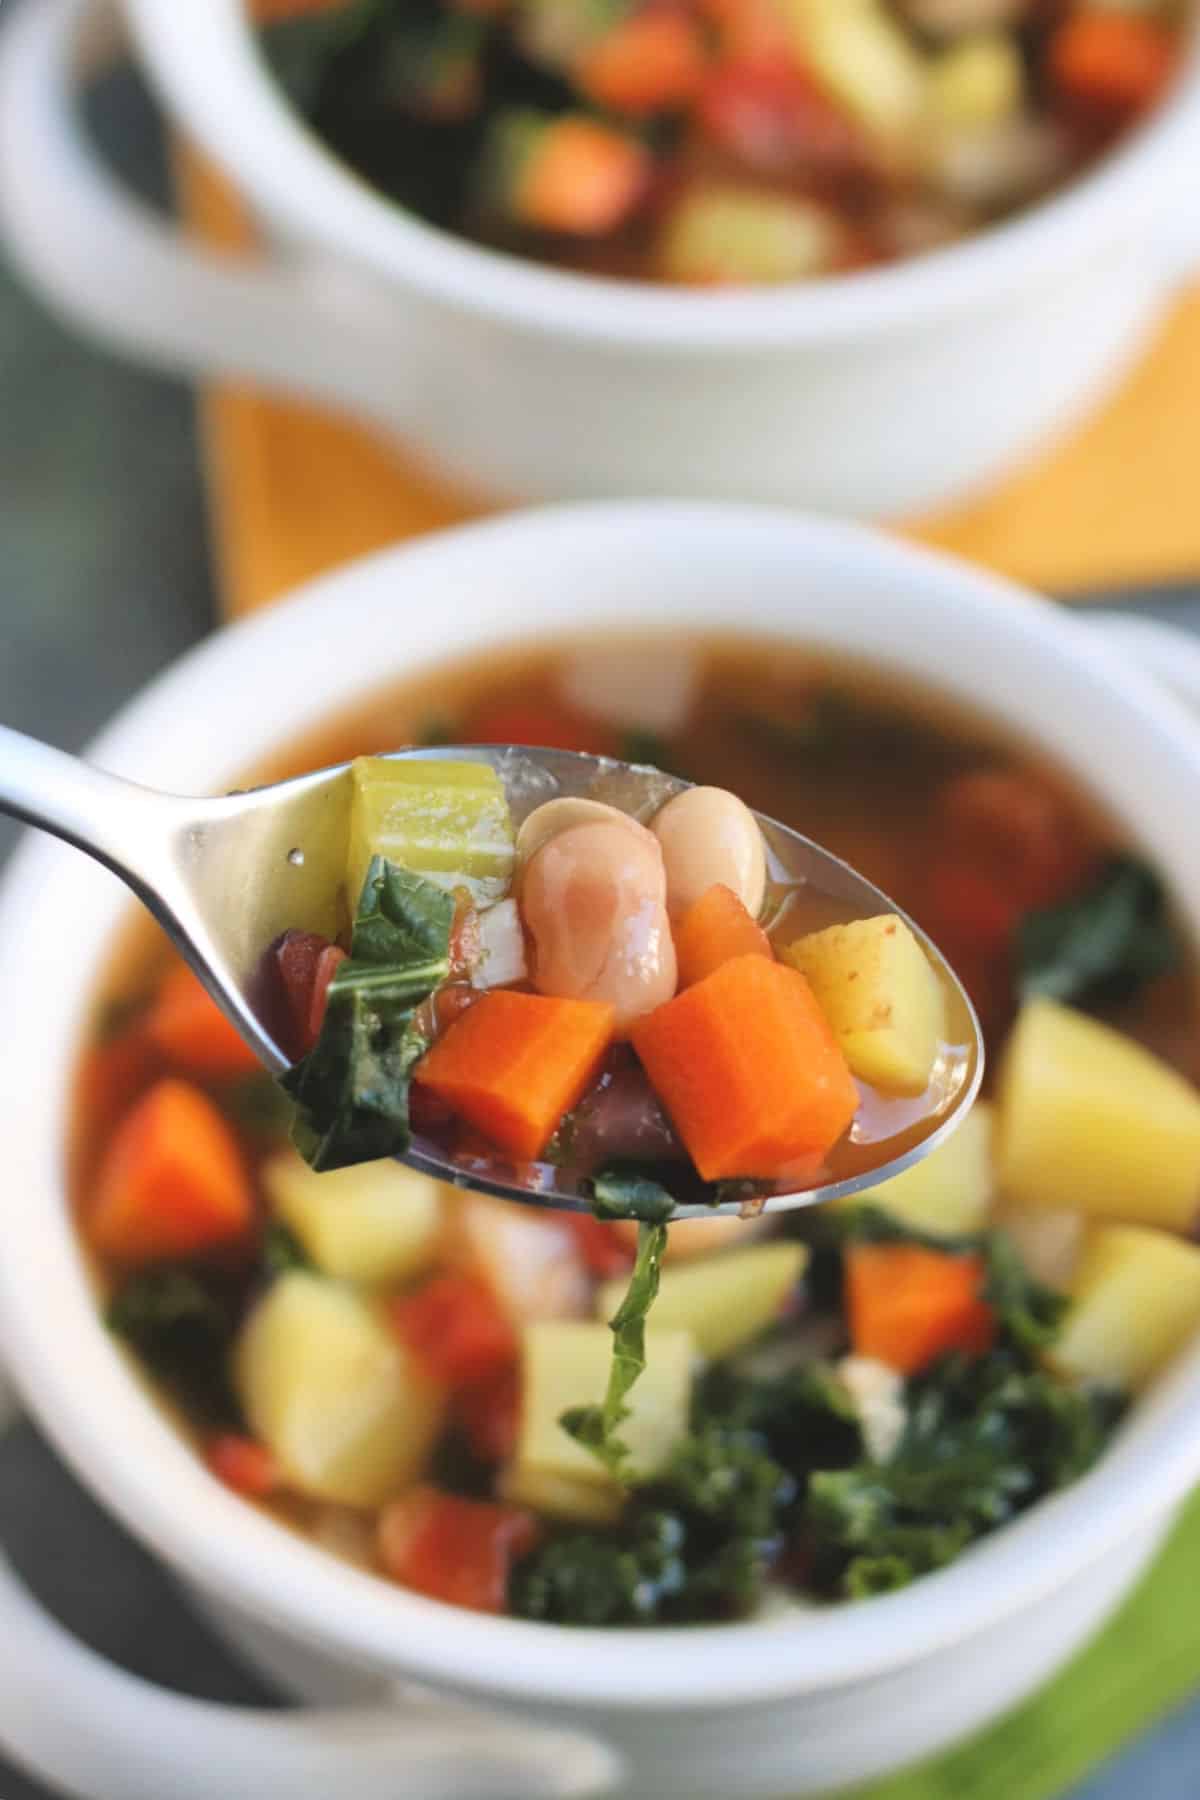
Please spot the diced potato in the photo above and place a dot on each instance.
(688, 1238)
(560, 1496)
(977, 83)
(950, 1190)
(1135, 1303)
(1089, 1121)
(530, 1260)
(1048, 1242)
(723, 1301)
(720, 232)
(377, 1223)
(347, 1412)
(866, 60)
(502, 961)
(877, 988)
(566, 1364)
(447, 820)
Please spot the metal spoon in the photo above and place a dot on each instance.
(226, 876)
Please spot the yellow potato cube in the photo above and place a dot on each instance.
(1089, 1121)
(566, 1363)
(377, 1223)
(724, 1301)
(875, 985)
(560, 1496)
(1135, 1303)
(950, 1190)
(348, 1414)
(978, 82)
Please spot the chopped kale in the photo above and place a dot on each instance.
(629, 1193)
(596, 1427)
(351, 1090)
(1103, 944)
(282, 1250)
(182, 1322)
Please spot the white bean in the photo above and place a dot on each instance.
(709, 836)
(594, 903)
(553, 816)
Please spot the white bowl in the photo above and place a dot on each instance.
(876, 393)
(789, 1704)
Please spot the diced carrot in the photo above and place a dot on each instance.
(714, 929)
(580, 178)
(649, 62)
(775, 119)
(306, 963)
(243, 1464)
(457, 1550)
(111, 1075)
(1016, 830)
(601, 1245)
(193, 1033)
(489, 1413)
(456, 1327)
(515, 1063)
(1112, 63)
(748, 1069)
(541, 727)
(909, 1305)
(171, 1182)
(754, 31)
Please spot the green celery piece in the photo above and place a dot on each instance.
(447, 820)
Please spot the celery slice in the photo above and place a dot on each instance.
(449, 821)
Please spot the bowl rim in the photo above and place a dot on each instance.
(123, 1447)
(208, 68)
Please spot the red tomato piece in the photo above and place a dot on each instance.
(456, 1550)
(489, 1413)
(1016, 830)
(306, 963)
(540, 726)
(455, 1325)
(243, 1464)
(774, 118)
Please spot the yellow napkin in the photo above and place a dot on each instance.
(295, 491)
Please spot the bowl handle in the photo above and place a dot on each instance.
(116, 269)
(86, 1727)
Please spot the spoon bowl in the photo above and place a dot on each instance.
(226, 876)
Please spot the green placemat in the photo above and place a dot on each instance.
(1145, 1661)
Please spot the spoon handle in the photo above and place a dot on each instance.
(115, 821)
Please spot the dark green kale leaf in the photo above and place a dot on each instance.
(626, 1192)
(182, 1322)
(1101, 945)
(282, 1250)
(351, 1090)
(986, 1437)
(596, 1427)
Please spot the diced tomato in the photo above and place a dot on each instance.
(243, 1464)
(1110, 64)
(306, 963)
(540, 726)
(489, 1412)
(966, 906)
(188, 1027)
(460, 1551)
(600, 1246)
(1016, 831)
(774, 118)
(455, 1325)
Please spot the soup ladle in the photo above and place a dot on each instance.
(226, 876)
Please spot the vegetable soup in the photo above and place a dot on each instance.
(831, 1404)
(716, 142)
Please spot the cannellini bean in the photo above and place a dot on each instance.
(709, 836)
(594, 904)
(546, 821)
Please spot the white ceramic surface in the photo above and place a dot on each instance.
(871, 394)
(788, 1705)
